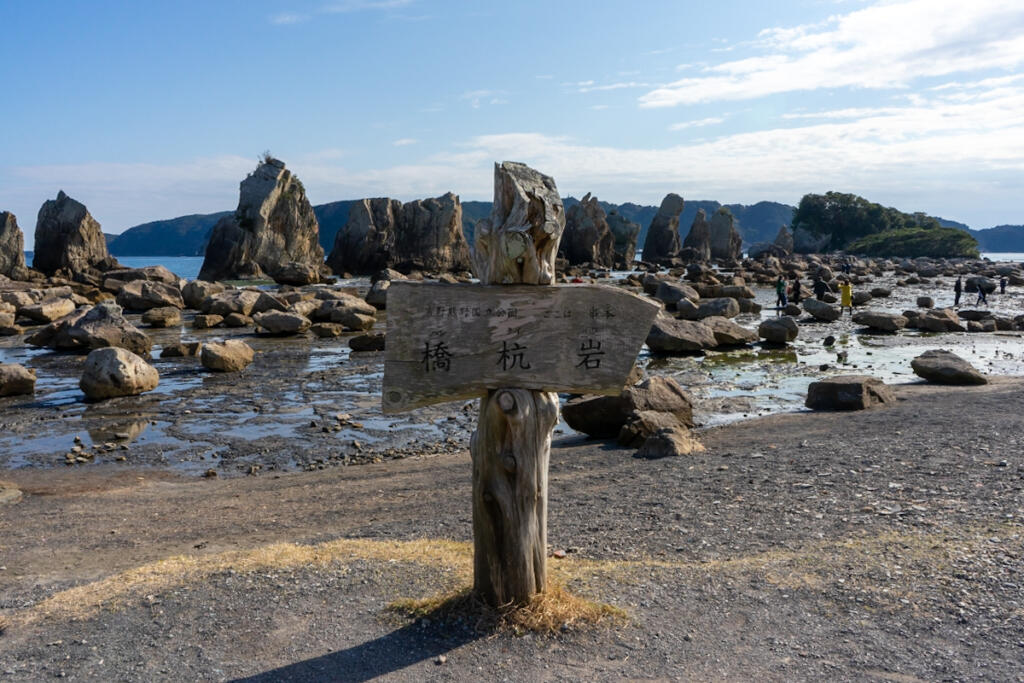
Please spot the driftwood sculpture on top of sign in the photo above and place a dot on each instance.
(512, 442)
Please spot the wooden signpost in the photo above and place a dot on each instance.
(513, 344)
(451, 342)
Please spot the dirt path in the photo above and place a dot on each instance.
(879, 545)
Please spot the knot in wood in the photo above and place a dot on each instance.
(509, 462)
(488, 497)
(507, 401)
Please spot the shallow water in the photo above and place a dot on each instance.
(306, 402)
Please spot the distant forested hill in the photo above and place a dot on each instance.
(332, 218)
(1001, 238)
(182, 236)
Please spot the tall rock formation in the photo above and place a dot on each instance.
(784, 240)
(663, 235)
(587, 237)
(68, 239)
(726, 243)
(273, 227)
(699, 237)
(12, 247)
(384, 233)
(625, 232)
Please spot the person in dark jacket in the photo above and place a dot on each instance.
(796, 290)
(819, 288)
(958, 289)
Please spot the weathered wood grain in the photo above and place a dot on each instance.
(450, 342)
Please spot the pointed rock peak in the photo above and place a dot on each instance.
(61, 196)
(672, 204)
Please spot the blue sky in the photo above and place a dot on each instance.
(149, 110)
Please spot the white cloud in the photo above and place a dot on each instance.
(475, 97)
(286, 18)
(589, 86)
(403, 142)
(958, 152)
(887, 45)
(360, 5)
(699, 123)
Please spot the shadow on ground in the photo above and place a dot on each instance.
(392, 652)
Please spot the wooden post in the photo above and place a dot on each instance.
(512, 442)
(513, 345)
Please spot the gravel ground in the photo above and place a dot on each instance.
(881, 545)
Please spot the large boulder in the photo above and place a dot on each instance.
(976, 282)
(166, 316)
(605, 416)
(877, 320)
(723, 307)
(662, 242)
(113, 372)
(231, 301)
(821, 310)
(784, 240)
(12, 247)
(726, 243)
(227, 356)
(728, 333)
(297, 274)
(196, 291)
(378, 294)
(384, 233)
(668, 443)
(945, 367)
(699, 237)
(280, 322)
(778, 330)
(625, 233)
(93, 328)
(273, 226)
(16, 380)
(142, 295)
(848, 392)
(68, 240)
(671, 293)
(119, 276)
(48, 310)
(940, 320)
(587, 237)
(669, 336)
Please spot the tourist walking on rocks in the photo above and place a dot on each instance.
(1002, 285)
(982, 299)
(780, 293)
(845, 296)
(958, 289)
(796, 290)
(819, 288)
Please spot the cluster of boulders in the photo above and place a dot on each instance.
(654, 415)
(699, 312)
(73, 316)
(859, 392)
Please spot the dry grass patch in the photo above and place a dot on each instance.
(555, 610)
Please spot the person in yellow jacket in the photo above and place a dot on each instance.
(845, 296)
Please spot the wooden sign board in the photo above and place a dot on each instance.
(448, 342)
